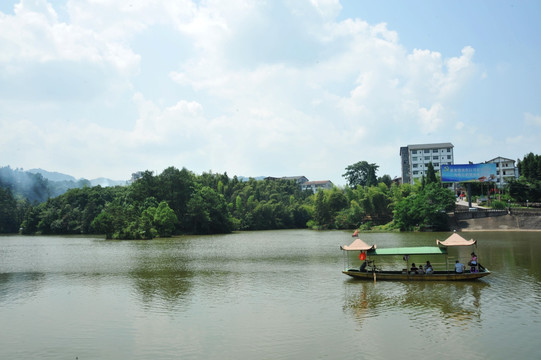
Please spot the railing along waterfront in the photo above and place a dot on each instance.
(479, 213)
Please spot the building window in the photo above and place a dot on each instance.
(427, 151)
(436, 164)
(435, 150)
(427, 157)
(434, 158)
(414, 165)
(448, 156)
(414, 158)
(414, 151)
(415, 172)
(448, 149)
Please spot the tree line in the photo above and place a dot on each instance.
(528, 186)
(181, 202)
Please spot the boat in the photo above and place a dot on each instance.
(375, 261)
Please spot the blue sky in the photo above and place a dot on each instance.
(264, 88)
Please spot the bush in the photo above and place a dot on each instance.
(499, 205)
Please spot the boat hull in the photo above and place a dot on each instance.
(399, 276)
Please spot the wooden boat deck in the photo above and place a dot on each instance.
(401, 276)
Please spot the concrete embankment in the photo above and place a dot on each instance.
(490, 220)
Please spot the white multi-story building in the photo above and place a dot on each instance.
(415, 159)
(505, 170)
(317, 185)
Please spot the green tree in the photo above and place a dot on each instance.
(337, 201)
(164, 220)
(431, 174)
(104, 223)
(301, 215)
(530, 167)
(378, 204)
(8, 212)
(322, 214)
(386, 179)
(522, 190)
(424, 209)
(176, 188)
(208, 213)
(361, 173)
(146, 186)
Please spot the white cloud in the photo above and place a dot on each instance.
(532, 119)
(34, 33)
(182, 122)
(430, 119)
(328, 9)
(515, 140)
(249, 94)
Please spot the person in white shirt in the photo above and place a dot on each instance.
(459, 267)
(428, 267)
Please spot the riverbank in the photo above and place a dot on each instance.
(497, 223)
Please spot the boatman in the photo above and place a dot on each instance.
(363, 266)
(459, 267)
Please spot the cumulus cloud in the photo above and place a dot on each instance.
(429, 119)
(532, 119)
(246, 94)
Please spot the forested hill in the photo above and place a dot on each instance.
(38, 185)
(182, 202)
(70, 180)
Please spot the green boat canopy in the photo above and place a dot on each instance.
(415, 250)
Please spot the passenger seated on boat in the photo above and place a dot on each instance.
(459, 267)
(473, 263)
(421, 271)
(428, 268)
(414, 269)
(363, 266)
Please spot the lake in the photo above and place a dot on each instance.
(260, 295)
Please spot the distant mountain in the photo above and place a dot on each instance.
(103, 182)
(56, 176)
(244, 178)
(52, 176)
(40, 185)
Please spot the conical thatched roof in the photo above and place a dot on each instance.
(455, 240)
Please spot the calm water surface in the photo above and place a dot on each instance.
(259, 295)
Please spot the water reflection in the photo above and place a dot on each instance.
(507, 250)
(258, 294)
(453, 303)
(18, 286)
(160, 274)
(165, 288)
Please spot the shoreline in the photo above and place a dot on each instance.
(485, 222)
(500, 230)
